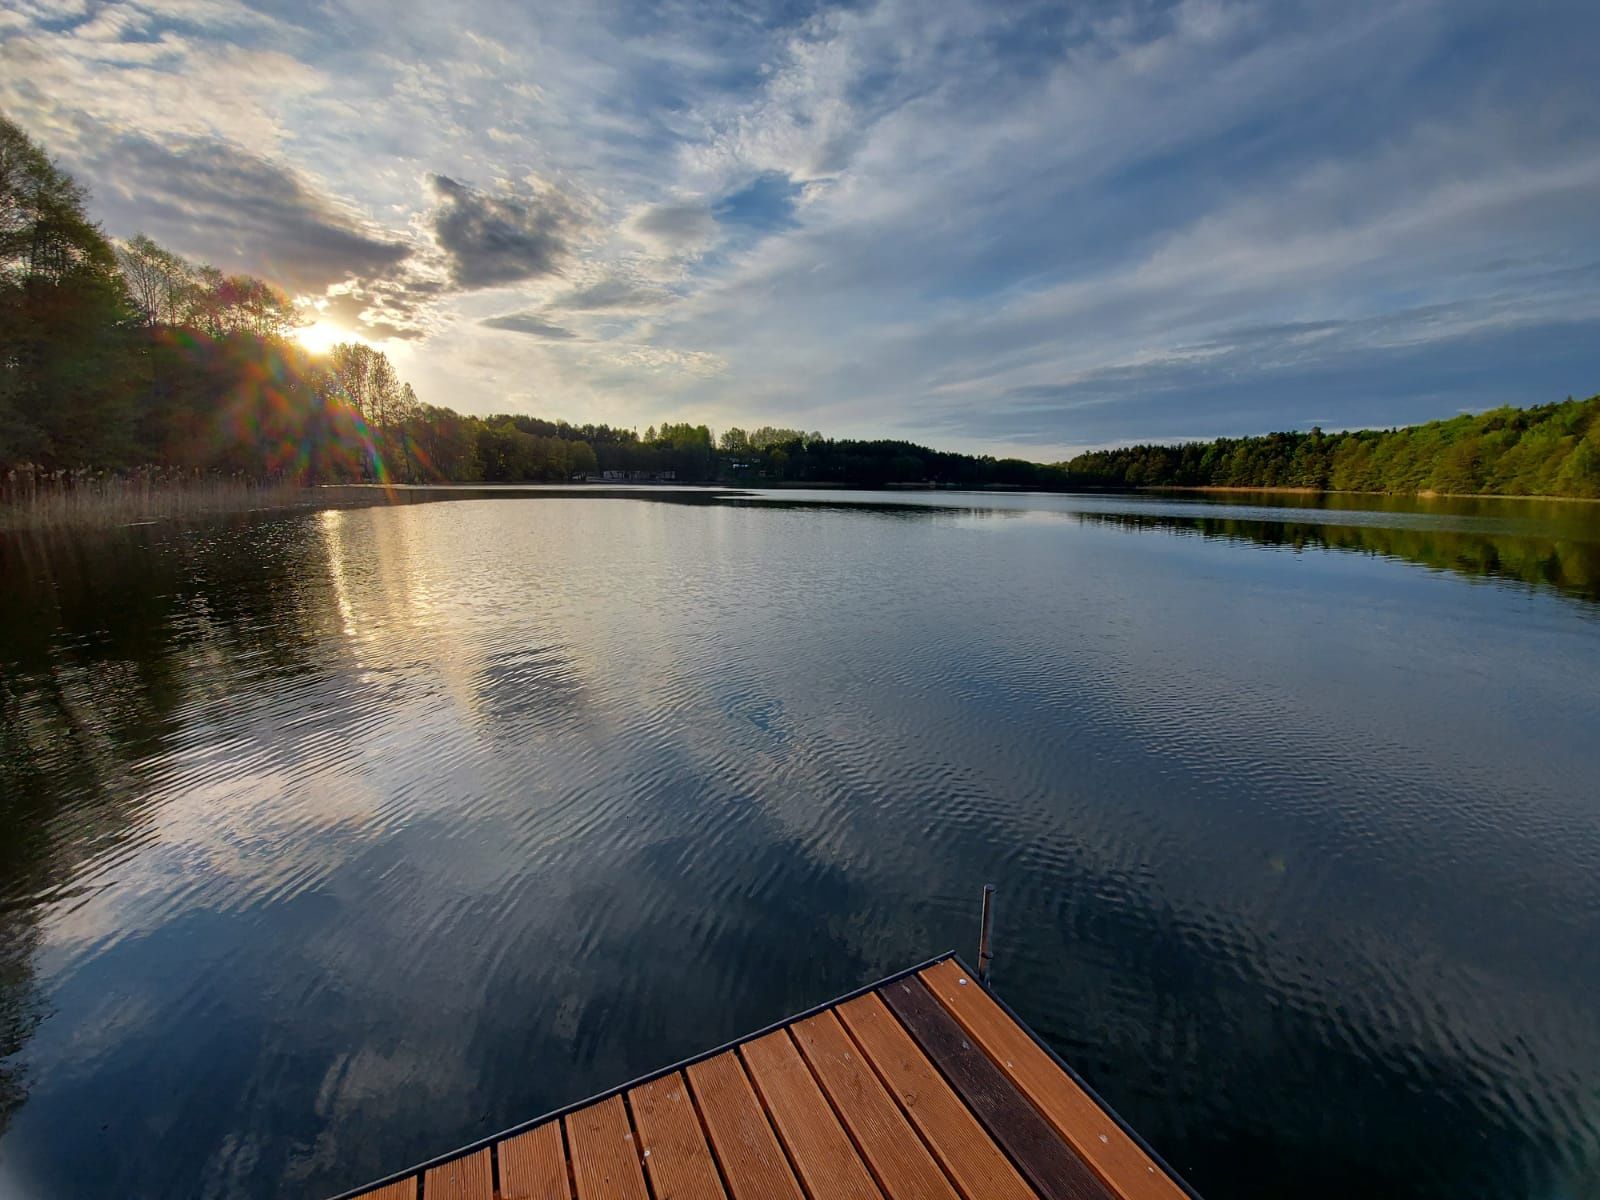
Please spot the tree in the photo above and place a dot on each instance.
(221, 304)
(767, 436)
(364, 379)
(581, 459)
(64, 313)
(444, 444)
(1580, 471)
(160, 283)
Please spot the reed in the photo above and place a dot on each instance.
(106, 502)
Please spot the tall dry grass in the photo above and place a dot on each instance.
(106, 502)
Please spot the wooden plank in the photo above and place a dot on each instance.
(891, 1147)
(675, 1151)
(1046, 1160)
(819, 1147)
(533, 1165)
(468, 1178)
(978, 1166)
(1099, 1140)
(605, 1158)
(405, 1189)
(741, 1137)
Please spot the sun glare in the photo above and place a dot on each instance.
(321, 336)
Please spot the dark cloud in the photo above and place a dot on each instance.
(217, 200)
(491, 239)
(529, 324)
(673, 228)
(384, 330)
(611, 293)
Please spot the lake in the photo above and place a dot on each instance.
(329, 842)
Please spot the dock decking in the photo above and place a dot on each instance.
(922, 1086)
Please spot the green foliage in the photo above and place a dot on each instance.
(1549, 450)
(788, 456)
(62, 314)
(510, 454)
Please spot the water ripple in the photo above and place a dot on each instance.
(349, 837)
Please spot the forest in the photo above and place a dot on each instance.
(1548, 450)
(124, 357)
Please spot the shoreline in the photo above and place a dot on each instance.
(98, 506)
(103, 506)
(1306, 491)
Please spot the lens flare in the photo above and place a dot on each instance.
(271, 416)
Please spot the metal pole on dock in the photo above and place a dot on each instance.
(985, 955)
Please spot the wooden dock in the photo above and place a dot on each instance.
(921, 1086)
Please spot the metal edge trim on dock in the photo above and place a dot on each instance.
(1072, 1074)
(556, 1113)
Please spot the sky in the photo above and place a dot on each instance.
(1006, 228)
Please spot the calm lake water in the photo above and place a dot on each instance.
(329, 842)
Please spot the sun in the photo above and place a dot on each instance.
(321, 336)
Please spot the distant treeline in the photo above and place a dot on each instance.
(788, 455)
(119, 356)
(1551, 450)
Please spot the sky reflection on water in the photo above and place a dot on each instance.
(334, 841)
